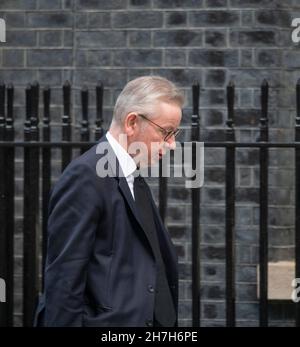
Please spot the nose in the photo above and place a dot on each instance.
(171, 143)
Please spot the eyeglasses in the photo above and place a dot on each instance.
(167, 133)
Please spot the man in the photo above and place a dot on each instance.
(110, 261)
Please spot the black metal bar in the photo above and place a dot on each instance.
(297, 197)
(196, 93)
(163, 191)
(66, 126)
(2, 111)
(34, 119)
(26, 211)
(28, 106)
(35, 105)
(84, 131)
(31, 208)
(99, 111)
(263, 242)
(46, 173)
(35, 193)
(10, 194)
(230, 211)
(195, 193)
(3, 236)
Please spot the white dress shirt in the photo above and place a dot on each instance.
(127, 164)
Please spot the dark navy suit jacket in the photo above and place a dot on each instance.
(100, 268)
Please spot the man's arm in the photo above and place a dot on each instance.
(74, 211)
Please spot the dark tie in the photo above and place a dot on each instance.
(164, 311)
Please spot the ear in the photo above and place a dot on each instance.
(130, 124)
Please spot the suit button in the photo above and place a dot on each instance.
(149, 323)
(150, 288)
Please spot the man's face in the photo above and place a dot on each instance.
(167, 116)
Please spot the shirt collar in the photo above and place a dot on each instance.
(127, 164)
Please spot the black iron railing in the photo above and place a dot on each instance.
(37, 167)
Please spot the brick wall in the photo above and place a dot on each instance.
(212, 41)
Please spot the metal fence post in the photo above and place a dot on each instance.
(230, 210)
(31, 208)
(84, 131)
(195, 193)
(66, 126)
(3, 236)
(10, 211)
(297, 196)
(46, 174)
(263, 242)
(99, 111)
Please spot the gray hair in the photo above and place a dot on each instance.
(143, 93)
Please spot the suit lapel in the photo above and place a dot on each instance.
(164, 240)
(123, 186)
(130, 201)
(117, 173)
(167, 248)
(168, 251)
